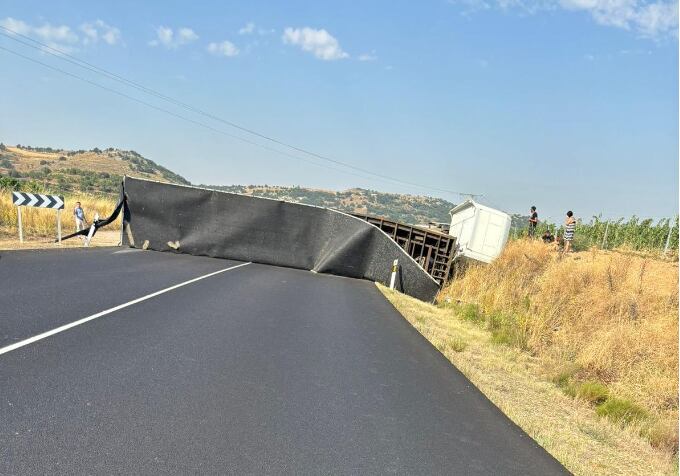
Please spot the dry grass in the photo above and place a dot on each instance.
(594, 316)
(105, 237)
(41, 224)
(30, 160)
(514, 380)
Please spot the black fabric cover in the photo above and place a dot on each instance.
(228, 225)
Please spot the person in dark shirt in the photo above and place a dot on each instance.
(548, 237)
(533, 221)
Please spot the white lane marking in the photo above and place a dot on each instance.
(128, 250)
(66, 327)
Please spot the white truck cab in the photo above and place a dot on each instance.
(481, 232)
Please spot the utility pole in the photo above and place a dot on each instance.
(668, 239)
(604, 240)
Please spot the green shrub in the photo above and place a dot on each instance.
(501, 337)
(563, 376)
(593, 392)
(621, 410)
(457, 344)
(470, 312)
(507, 329)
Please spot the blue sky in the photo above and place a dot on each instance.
(569, 104)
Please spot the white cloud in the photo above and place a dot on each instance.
(248, 29)
(169, 38)
(63, 37)
(658, 18)
(99, 30)
(368, 56)
(61, 34)
(185, 35)
(647, 18)
(251, 29)
(318, 42)
(225, 48)
(16, 26)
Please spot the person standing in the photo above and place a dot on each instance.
(79, 215)
(569, 229)
(533, 221)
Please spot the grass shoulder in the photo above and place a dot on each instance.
(571, 429)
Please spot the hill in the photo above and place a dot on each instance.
(413, 209)
(92, 171)
(99, 172)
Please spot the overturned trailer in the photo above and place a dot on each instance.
(178, 218)
(477, 232)
(432, 250)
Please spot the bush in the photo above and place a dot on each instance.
(470, 312)
(44, 162)
(62, 158)
(9, 183)
(621, 410)
(592, 392)
(457, 344)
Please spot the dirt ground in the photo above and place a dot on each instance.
(102, 238)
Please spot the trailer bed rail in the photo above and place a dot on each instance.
(433, 251)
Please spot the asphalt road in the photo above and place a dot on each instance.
(255, 370)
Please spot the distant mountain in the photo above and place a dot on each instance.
(101, 171)
(93, 171)
(413, 209)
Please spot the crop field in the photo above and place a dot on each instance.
(633, 234)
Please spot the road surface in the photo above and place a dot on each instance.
(121, 361)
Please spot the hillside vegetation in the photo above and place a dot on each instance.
(99, 172)
(91, 171)
(412, 209)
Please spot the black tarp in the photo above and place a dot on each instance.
(227, 225)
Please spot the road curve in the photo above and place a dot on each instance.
(256, 370)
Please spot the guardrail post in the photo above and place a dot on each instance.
(393, 278)
(59, 225)
(90, 234)
(21, 230)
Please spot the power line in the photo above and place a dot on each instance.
(179, 116)
(12, 35)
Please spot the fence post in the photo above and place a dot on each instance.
(21, 230)
(668, 239)
(604, 240)
(59, 225)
